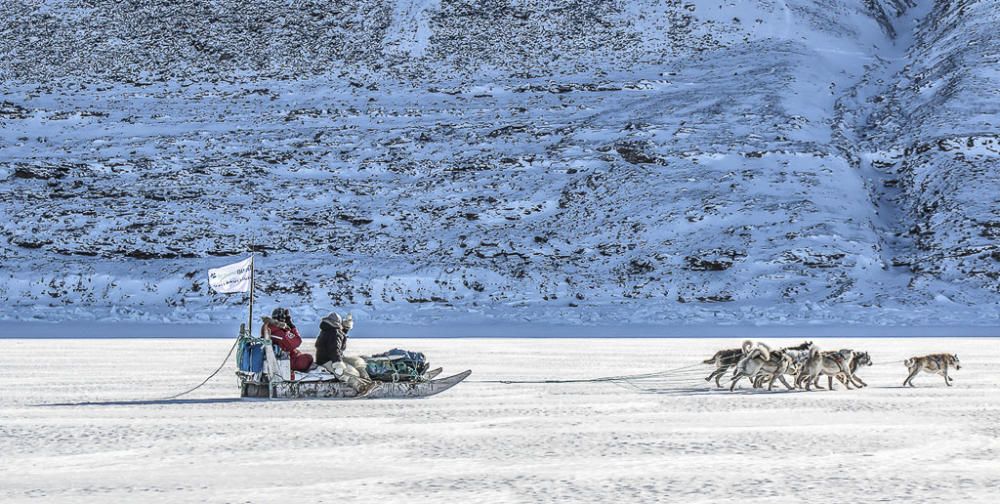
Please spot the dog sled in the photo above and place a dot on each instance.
(266, 374)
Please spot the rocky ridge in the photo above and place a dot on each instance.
(586, 162)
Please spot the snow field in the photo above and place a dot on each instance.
(486, 442)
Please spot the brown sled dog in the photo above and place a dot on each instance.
(933, 363)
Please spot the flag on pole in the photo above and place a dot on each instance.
(236, 277)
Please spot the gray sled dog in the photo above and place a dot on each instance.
(799, 353)
(933, 363)
(832, 364)
(723, 360)
(761, 360)
(859, 359)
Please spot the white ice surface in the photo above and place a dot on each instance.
(493, 443)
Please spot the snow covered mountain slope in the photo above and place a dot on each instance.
(446, 161)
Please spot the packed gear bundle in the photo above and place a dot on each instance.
(397, 365)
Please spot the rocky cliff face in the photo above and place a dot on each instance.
(936, 131)
(448, 161)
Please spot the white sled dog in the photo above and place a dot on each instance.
(933, 363)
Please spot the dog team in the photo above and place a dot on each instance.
(806, 364)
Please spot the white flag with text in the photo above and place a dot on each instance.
(232, 278)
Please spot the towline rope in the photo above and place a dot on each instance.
(886, 362)
(224, 361)
(658, 374)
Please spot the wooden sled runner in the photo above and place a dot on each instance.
(263, 375)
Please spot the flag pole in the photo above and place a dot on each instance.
(250, 321)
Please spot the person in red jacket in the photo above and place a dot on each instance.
(286, 336)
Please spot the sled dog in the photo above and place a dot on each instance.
(859, 359)
(830, 364)
(933, 363)
(798, 353)
(723, 360)
(761, 360)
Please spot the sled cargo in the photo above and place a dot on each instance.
(264, 374)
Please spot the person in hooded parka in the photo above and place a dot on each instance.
(330, 346)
